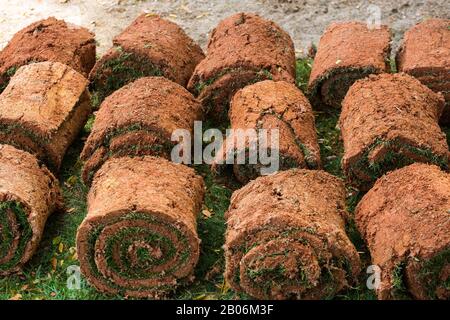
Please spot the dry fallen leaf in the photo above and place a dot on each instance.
(185, 8)
(54, 263)
(207, 213)
(17, 296)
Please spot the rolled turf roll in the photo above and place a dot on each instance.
(405, 221)
(48, 40)
(389, 121)
(29, 193)
(425, 54)
(150, 46)
(139, 119)
(286, 237)
(139, 238)
(347, 51)
(242, 49)
(273, 105)
(43, 109)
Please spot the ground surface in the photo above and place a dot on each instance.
(304, 20)
(45, 277)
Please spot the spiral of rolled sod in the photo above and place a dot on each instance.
(389, 121)
(43, 109)
(286, 237)
(139, 237)
(405, 221)
(347, 51)
(29, 193)
(270, 105)
(48, 40)
(150, 46)
(243, 49)
(139, 119)
(425, 54)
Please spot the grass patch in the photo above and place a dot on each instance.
(121, 70)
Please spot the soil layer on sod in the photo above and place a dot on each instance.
(389, 121)
(43, 109)
(29, 193)
(139, 237)
(347, 51)
(48, 40)
(139, 119)
(425, 54)
(286, 237)
(405, 221)
(272, 105)
(150, 46)
(242, 49)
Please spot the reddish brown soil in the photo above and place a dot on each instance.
(425, 54)
(24, 180)
(347, 51)
(286, 237)
(242, 49)
(139, 119)
(275, 105)
(405, 221)
(389, 121)
(141, 195)
(149, 46)
(49, 40)
(42, 110)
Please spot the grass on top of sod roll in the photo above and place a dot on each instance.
(46, 275)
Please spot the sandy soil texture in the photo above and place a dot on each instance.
(304, 20)
(272, 105)
(150, 46)
(43, 108)
(387, 122)
(425, 54)
(139, 237)
(286, 237)
(139, 119)
(29, 194)
(404, 219)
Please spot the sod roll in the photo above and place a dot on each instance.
(139, 237)
(48, 40)
(272, 105)
(405, 221)
(150, 46)
(347, 51)
(286, 237)
(43, 109)
(425, 54)
(139, 119)
(389, 121)
(243, 49)
(29, 193)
